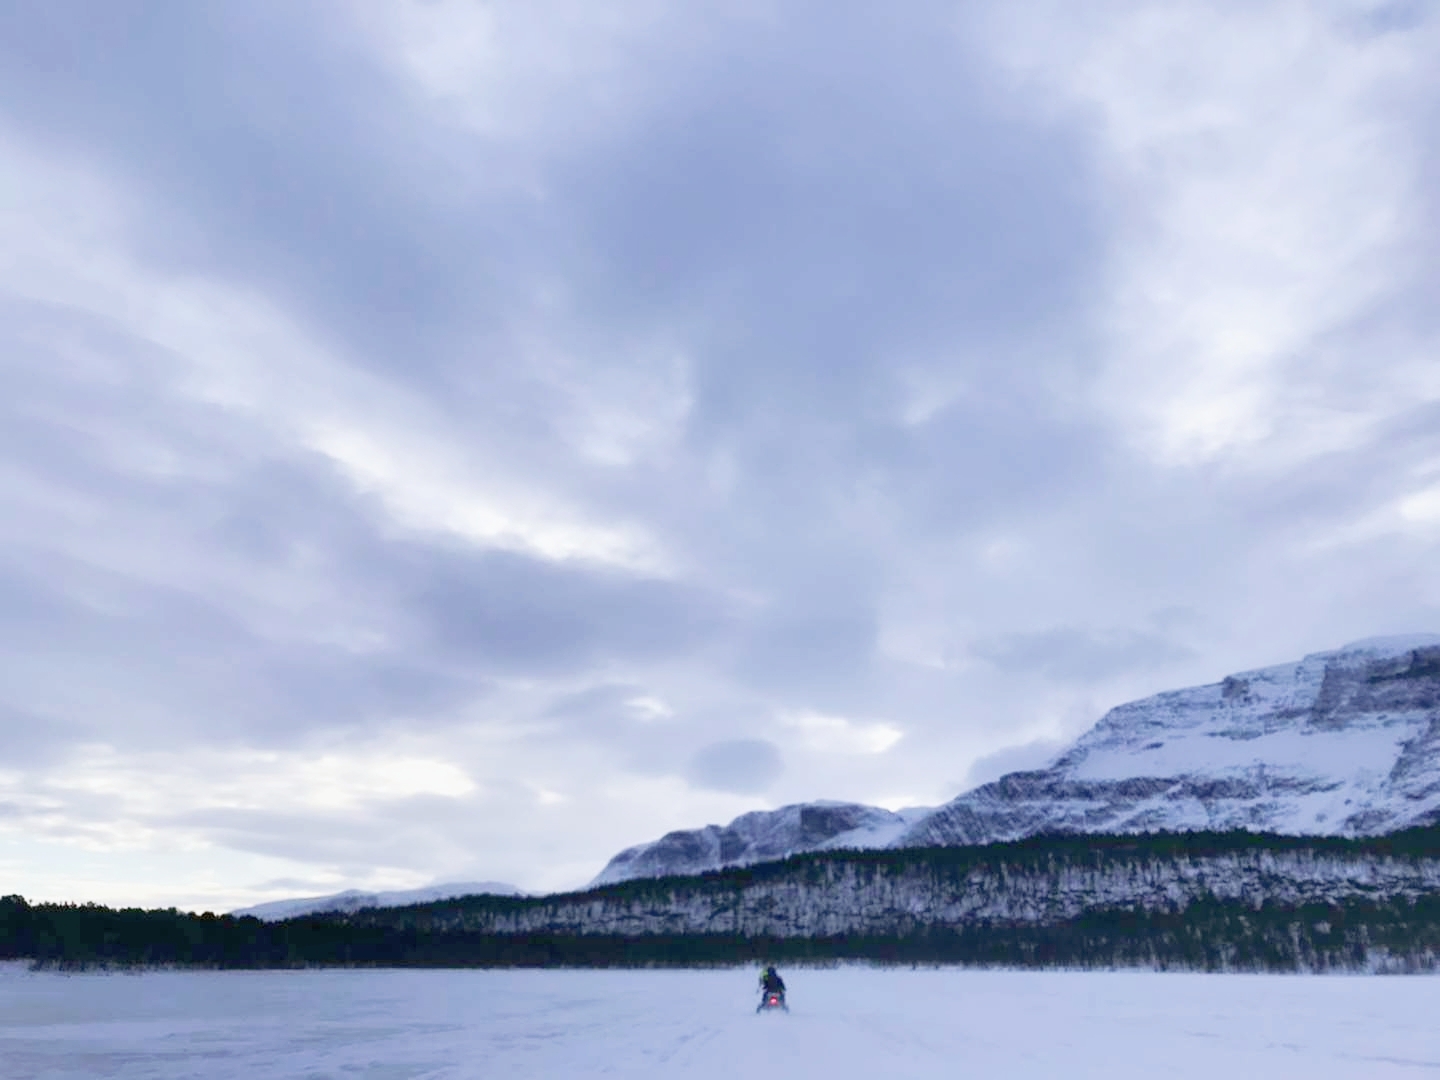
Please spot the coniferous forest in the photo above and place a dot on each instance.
(1358, 933)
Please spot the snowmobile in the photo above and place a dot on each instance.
(772, 999)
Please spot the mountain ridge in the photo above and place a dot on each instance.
(761, 836)
(352, 900)
(1341, 742)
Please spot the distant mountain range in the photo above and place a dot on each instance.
(761, 836)
(1340, 743)
(355, 900)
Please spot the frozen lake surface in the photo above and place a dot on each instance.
(844, 1022)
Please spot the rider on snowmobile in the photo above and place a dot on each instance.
(771, 983)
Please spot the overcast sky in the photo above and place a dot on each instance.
(454, 441)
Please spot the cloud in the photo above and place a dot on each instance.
(742, 766)
(1026, 756)
(839, 735)
(508, 612)
(1078, 653)
(1276, 194)
(538, 389)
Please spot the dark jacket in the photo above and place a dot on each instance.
(771, 983)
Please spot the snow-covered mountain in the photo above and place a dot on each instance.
(1344, 742)
(355, 900)
(1341, 743)
(760, 836)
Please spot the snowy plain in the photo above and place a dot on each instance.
(844, 1022)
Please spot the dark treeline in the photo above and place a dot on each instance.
(1206, 936)
(942, 864)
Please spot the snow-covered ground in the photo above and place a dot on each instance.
(846, 1022)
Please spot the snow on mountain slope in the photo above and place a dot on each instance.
(355, 900)
(1343, 742)
(762, 835)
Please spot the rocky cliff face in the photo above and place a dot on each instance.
(1341, 743)
(761, 836)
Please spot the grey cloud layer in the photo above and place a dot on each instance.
(809, 304)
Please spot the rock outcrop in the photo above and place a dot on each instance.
(1340, 743)
(761, 836)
